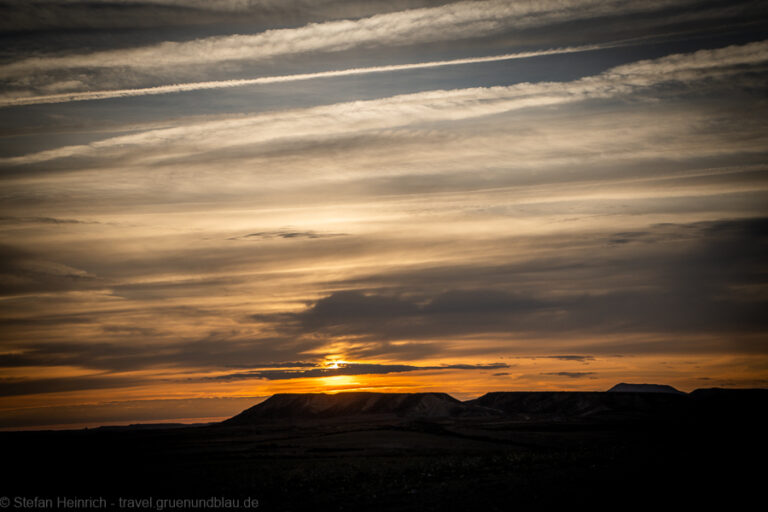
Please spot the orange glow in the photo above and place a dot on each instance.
(523, 373)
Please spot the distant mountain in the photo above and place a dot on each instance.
(644, 388)
(624, 402)
(554, 405)
(304, 406)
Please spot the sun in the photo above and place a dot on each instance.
(335, 364)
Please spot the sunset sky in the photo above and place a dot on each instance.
(205, 202)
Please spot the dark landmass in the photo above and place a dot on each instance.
(152, 426)
(308, 406)
(623, 387)
(422, 451)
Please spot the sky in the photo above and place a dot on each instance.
(208, 202)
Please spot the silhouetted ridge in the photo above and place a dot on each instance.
(561, 404)
(644, 388)
(705, 405)
(299, 406)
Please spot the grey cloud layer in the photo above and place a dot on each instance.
(685, 292)
(350, 369)
(678, 282)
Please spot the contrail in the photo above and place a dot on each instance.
(221, 84)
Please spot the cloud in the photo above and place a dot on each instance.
(69, 15)
(581, 359)
(130, 330)
(342, 308)
(695, 279)
(684, 294)
(285, 364)
(462, 302)
(285, 234)
(23, 271)
(42, 220)
(677, 291)
(391, 317)
(570, 375)
(349, 369)
(626, 237)
(447, 22)
(358, 117)
(17, 387)
(225, 84)
(219, 350)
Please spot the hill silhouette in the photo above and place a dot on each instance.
(622, 402)
(623, 387)
(307, 406)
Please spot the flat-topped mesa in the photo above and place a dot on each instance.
(302, 406)
(644, 388)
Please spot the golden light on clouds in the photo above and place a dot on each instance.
(358, 198)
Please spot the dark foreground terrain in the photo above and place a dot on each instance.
(421, 452)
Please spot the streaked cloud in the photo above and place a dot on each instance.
(168, 89)
(451, 21)
(29, 15)
(429, 106)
